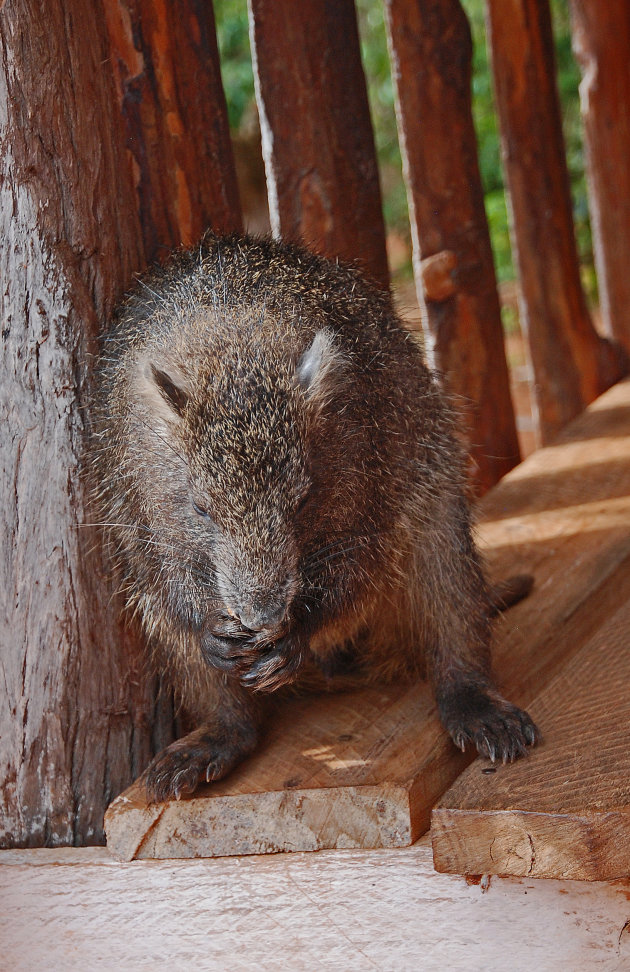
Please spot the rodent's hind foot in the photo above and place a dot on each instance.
(201, 757)
(498, 729)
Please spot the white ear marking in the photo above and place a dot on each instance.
(317, 363)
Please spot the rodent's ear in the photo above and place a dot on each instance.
(172, 393)
(317, 364)
(164, 388)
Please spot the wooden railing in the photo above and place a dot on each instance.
(114, 147)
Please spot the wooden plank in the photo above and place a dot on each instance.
(365, 769)
(601, 41)
(431, 53)
(318, 143)
(566, 812)
(572, 364)
(337, 771)
(166, 67)
(353, 910)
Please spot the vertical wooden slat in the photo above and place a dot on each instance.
(601, 41)
(572, 364)
(76, 706)
(317, 136)
(166, 65)
(431, 57)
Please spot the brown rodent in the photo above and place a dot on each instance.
(284, 492)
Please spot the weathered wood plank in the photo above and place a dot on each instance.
(364, 769)
(566, 812)
(333, 772)
(75, 910)
(431, 54)
(318, 143)
(166, 66)
(572, 364)
(601, 41)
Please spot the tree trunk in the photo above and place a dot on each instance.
(317, 137)
(166, 65)
(572, 364)
(601, 41)
(76, 708)
(431, 56)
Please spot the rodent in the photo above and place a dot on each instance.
(284, 493)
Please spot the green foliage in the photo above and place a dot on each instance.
(232, 29)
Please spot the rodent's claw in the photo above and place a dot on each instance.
(498, 729)
(272, 670)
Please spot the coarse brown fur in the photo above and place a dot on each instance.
(284, 493)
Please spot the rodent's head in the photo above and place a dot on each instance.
(241, 417)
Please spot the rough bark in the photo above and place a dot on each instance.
(75, 706)
(166, 65)
(572, 364)
(431, 51)
(317, 137)
(601, 41)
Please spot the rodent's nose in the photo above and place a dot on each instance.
(267, 617)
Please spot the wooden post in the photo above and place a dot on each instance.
(317, 137)
(166, 66)
(76, 708)
(572, 364)
(601, 41)
(431, 57)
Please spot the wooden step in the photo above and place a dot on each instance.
(364, 770)
(564, 813)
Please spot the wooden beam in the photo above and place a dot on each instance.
(572, 364)
(364, 769)
(431, 51)
(67, 909)
(601, 41)
(166, 66)
(75, 703)
(318, 144)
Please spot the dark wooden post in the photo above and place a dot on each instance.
(572, 364)
(317, 137)
(431, 56)
(76, 708)
(166, 66)
(601, 41)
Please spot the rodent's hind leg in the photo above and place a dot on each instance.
(478, 714)
(203, 756)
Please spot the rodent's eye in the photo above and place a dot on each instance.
(302, 503)
(199, 510)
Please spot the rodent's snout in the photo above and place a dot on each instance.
(269, 617)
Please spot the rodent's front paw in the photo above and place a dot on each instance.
(260, 665)
(178, 769)
(498, 729)
(274, 665)
(229, 653)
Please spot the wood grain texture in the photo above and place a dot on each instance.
(75, 704)
(601, 42)
(572, 364)
(318, 143)
(384, 910)
(566, 812)
(431, 53)
(365, 769)
(166, 67)
(334, 771)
